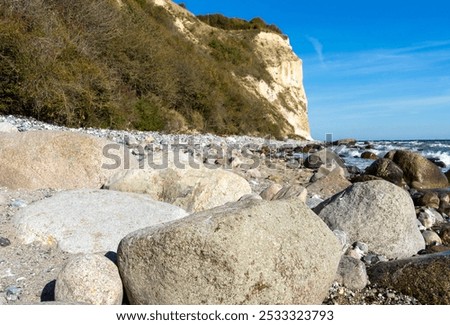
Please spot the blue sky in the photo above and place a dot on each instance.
(372, 69)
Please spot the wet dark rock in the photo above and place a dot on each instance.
(369, 155)
(426, 277)
(313, 162)
(434, 249)
(387, 170)
(345, 142)
(326, 156)
(353, 170)
(418, 171)
(310, 148)
(437, 162)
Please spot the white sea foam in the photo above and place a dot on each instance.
(429, 149)
(443, 156)
(440, 145)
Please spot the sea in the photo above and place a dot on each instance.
(438, 150)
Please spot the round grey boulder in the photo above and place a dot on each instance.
(352, 273)
(378, 213)
(91, 279)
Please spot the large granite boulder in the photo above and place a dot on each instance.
(425, 277)
(418, 171)
(89, 221)
(377, 213)
(61, 160)
(249, 252)
(193, 189)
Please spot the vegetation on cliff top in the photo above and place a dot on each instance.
(222, 22)
(94, 63)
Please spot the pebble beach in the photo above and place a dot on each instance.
(358, 222)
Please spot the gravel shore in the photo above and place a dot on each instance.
(28, 272)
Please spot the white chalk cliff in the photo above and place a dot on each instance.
(284, 92)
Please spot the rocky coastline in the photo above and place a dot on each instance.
(151, 218)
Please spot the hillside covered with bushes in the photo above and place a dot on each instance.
(124, 64)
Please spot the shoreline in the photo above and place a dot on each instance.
(28, 271)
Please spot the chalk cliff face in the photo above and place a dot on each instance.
(283, 90)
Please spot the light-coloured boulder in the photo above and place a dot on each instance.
(429, 217)
(8, 128)
(269, 193)
(329, 185)
(418, 171)
(431, 238)
(91, 279)
(378, 213)
(193, 189)
(292, 191)
(425, 277)
(89, 221)
(61, 160)
(249, 252)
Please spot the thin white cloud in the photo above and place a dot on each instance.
(405, 59)
(424, 46)
(392, 92)
(318, 47)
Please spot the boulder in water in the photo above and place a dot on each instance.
(418, 171)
